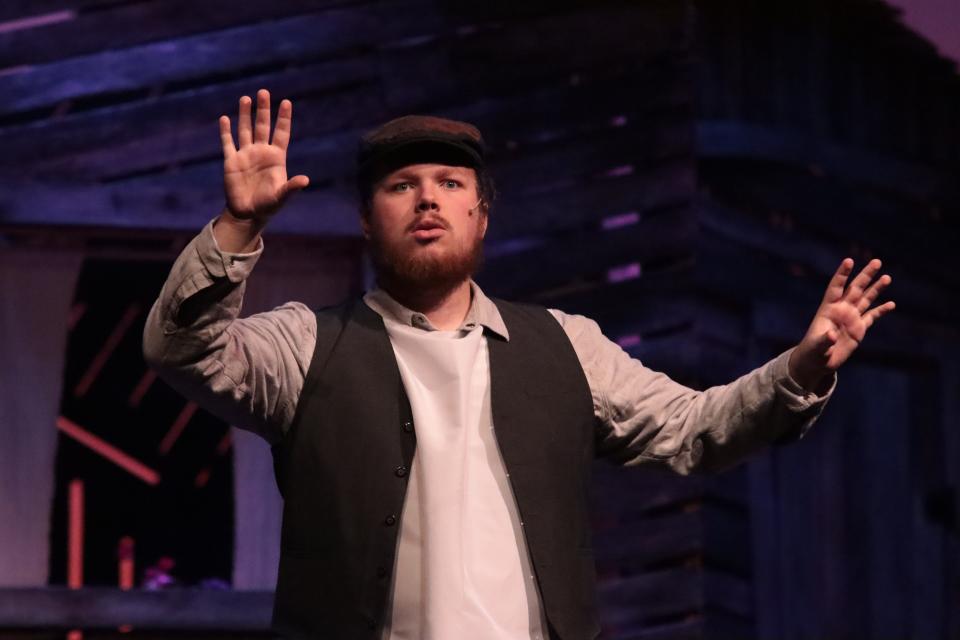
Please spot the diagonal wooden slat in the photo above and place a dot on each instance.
(201, 58)
(122, 25)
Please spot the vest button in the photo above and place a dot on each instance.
(400, 471)
(391, 520)
(408, 426)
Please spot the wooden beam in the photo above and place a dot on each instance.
(334, 102)
(591, 255)
(120, 26)
(236, 52)
(331, 212)
(735, 139)
(105, 608)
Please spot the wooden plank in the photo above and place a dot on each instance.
(631, 191)
(630, 549)
(639, 601)
(706, 533)
(200, 58)
(584, 295)
(103, 607)
(566, 44)
(793, 258)
(119, 26)
(331, 212)
(590, 256)
(670, 592)
(155, 203)
(166, 125)
(183, 126)
(731, 139)
(14, 9)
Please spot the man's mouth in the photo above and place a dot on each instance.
(427, 229)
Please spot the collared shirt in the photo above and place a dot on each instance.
(250, 371)
(463, 568)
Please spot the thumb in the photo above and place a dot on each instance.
(291, 186)
(826, 340)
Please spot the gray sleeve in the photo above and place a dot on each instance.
(645, 417)
(247, 371)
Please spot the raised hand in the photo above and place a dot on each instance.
(255, 174)
(841, 322)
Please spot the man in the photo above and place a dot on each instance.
(433, 446)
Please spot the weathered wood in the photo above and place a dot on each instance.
(183, 126)
(329, 212)
(564, 44)
(102, 607)
(177, 128)
(639, 600)
(120, 26)
(200, 58)
(800, 253)
(732, 139)
(704, 533)
(590, 254)
(13, 9)
(831, 83)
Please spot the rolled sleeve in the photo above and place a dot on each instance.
(645, 417)
(247, 371)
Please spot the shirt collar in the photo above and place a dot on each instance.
(482, 311)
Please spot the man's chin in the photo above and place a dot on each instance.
(426, 267)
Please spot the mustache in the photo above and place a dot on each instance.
(435, 220)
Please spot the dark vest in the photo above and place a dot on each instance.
(343, 467)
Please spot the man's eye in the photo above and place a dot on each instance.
(451, 184)
(401, 186)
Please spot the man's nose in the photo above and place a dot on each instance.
(427, 201)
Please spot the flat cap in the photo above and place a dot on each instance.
(413, 139)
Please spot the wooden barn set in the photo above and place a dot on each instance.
(688, 174)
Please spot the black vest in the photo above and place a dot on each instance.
(343, 466)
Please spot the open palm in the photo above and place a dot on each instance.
(842, 320)
(255, 173)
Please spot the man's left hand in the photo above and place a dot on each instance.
(840, 323)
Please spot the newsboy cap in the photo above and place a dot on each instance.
(413, 139)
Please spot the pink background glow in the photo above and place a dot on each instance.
(936, 20)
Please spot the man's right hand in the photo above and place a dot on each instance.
(255, 174)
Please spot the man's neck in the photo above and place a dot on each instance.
(445, 307)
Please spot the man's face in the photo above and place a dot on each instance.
(424, 226)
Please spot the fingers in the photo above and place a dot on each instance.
(863, 279)
(244, 126)
(870, 316)
(838, 281)
(226, 138)
(261, 133)
(871, 294)
(258, 131)
(281, 133)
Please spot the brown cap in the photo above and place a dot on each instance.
(412, 139)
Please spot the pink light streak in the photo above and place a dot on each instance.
(123, 460)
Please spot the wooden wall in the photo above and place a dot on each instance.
(688, 174)
(826, 131)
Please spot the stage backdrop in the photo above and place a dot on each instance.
(36, 287)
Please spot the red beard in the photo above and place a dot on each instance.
(399, 268)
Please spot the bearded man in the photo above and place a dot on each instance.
(432, 445)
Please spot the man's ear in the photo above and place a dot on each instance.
(486, 219)
(365, 225)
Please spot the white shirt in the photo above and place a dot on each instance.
(463, 570)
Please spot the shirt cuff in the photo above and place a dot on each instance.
(236, 267)
(796, 396)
